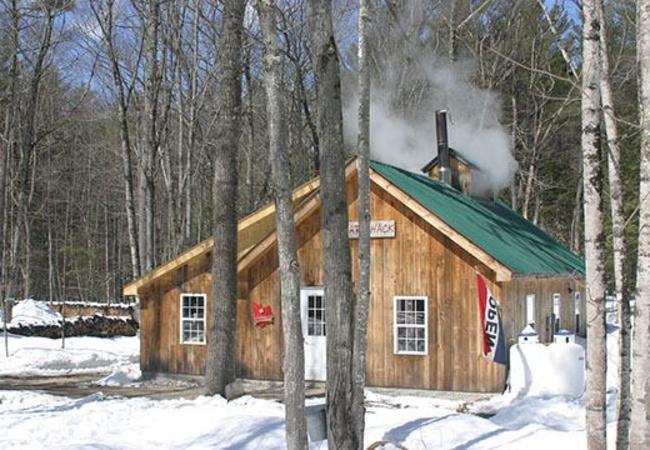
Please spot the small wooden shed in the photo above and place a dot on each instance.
(429, 240)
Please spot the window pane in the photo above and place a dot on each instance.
(410, 325)
(192, 319)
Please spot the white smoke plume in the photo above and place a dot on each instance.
(407, 138)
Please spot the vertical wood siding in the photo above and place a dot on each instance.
(419, 261)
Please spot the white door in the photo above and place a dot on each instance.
(312, 307)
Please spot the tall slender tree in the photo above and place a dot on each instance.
(220, 365)
(618, 234)
(150, 131)
(362, 303)
(341, 429)
(640, 427)
(294, 351)
(8, 132)
(594, 255)
(27, 147)
(105, 16)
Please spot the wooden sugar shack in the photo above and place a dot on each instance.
(429, 239)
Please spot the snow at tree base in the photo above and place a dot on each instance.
(37, 420)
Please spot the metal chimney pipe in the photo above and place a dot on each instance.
(443, 146)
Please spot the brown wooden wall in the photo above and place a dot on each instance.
(418, 261)
(515, 292)
(160, 347)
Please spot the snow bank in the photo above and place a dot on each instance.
(35, 420)
(546, 370)
(33, 312)
(125, 375)
(44, 356)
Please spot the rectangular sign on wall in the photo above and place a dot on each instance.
(379, 229)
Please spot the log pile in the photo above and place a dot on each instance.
(73, 308)
(96, 325)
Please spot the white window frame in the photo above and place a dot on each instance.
(577, 299)
(557, 311)
(530, 309)
(424, 326)
(189, 319)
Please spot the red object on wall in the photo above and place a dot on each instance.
(262, 315)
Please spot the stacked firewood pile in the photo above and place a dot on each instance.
(96, 325)
(73, 308)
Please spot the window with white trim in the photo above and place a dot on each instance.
(410, 326)
(315, 315)
(557, 300)
(193, 318)
(576, 309)
(530, 309)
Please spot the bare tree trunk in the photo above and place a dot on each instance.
(362, 304)
(595, 289)
(575, 217)
(3, 216)
(8, 138)
(249, 191)
(146, 231)
(294, 357)
(532, 175)
(640, 429)
(104, 16)
(339, 297)
(187, 230)
(27, 146)
(220, 366)
(618, 237)
(514, 200)
(453, 44)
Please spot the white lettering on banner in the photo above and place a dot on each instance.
(378, 229)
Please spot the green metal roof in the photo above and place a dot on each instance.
(492, 226)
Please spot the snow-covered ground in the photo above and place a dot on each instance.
(34, 420)
(44, 356)
(31, 419)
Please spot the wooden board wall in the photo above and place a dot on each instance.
(418, 261)
(160, 347)
(515, 293)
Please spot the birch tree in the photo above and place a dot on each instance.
(640, 429)
(593, 214)
(363, 167)
(123, 89)
(341, 429)
(618, 234)
(220, 365)
(294, 357)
